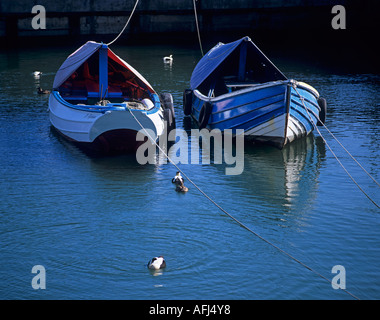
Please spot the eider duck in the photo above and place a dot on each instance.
(40, 91)
(177, 177)
(168, 59)
(156, 263)
(179, 182)
(37, 74)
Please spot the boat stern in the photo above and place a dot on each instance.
(117, 129)
(109, 127)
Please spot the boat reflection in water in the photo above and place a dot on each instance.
(278, 181)
(302, 161)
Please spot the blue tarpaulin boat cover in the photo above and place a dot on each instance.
(230, 52)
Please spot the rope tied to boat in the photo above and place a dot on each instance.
(231, 216)
(294, 85)
(129, 19)
(196, 23)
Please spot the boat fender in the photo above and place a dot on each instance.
(169, 114)
(168, 117)
(187, 101)
(322, 114)
(167, 101)
(204, 115)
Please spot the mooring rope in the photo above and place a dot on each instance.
(129, 19)
(352, 157)
(231, 216)
(333, 153)
(196, 22)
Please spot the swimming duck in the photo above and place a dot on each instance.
(168, 59)
(37, 74)
(156, 263)
(40, 91)
(179, 182)
(178, 178)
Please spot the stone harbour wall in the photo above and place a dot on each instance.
(76, 18)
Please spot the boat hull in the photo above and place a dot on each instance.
(111, 128)
(275, 113)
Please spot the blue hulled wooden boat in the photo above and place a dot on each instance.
(235, 86)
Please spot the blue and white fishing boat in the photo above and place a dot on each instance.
(235, 86)
(100, 101)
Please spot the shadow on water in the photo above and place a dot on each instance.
(109, 167)
(92, 152)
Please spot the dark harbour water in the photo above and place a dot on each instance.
(94, 222)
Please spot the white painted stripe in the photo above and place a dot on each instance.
(272, 128)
